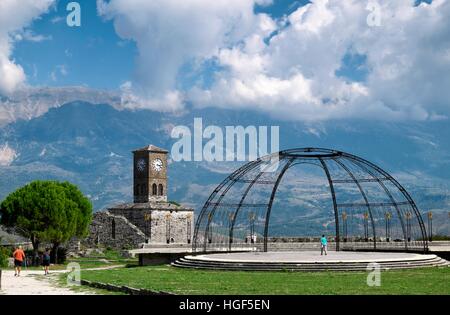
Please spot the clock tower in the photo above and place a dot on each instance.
(150, 175)
(150, 220)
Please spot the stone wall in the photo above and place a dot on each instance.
(161, 226)
(171, 227)
(113, 231)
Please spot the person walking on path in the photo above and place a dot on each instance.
(46, 260)
(323, 245)
(19, 257)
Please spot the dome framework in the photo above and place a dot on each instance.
(370, 209)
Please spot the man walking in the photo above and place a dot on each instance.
(323, 245)
(19, 257)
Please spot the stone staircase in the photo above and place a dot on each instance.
(198, 263)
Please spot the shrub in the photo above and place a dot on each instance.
(4, 255)
(437, 237)
(441, 238)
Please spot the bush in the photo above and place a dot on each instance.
(4, 255)
(437, 237)
(441, 238)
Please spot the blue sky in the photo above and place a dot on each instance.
(92, 54)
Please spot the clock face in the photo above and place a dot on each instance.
(157, 165)
(140, 165)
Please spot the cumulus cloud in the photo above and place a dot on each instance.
(171, 33)
(297, 78)
(165, 101)
(289, 67)
(7, 155)
(14, 17)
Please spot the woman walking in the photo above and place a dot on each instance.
(46, 260)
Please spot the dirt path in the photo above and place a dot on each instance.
(33, 282)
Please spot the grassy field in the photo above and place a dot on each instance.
(108, 258)
(61, 281)
(187, 281)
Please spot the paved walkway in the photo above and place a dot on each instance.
(33, 282)
(312, 256)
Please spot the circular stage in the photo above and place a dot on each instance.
(308, 261)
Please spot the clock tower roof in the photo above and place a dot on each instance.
(151, 148)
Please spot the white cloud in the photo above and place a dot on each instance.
(170, 101)
(298, 80)
(292, 74)
(30, 36)
(14, 17)
(170, 33)
(59, 70)
(7, 155)
(58, 19)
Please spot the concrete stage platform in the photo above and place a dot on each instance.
(308, 261)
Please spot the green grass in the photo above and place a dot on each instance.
(86, 263)
(189, 281)
(61, 281)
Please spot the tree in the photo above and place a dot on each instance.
(81, 214)
(47, 211)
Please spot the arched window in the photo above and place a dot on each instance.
(143, 186)
(160, 189)
(154, 190)
(113, 229)
(136, 190)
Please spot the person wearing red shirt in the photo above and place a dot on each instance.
(19, 257)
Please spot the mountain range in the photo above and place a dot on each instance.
(90, 144)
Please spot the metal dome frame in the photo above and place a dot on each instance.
(215, 227)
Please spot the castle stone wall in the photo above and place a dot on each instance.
(161, 226)
(113, 231)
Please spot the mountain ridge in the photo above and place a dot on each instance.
(90, 145)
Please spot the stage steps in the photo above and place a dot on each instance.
(192, 262)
